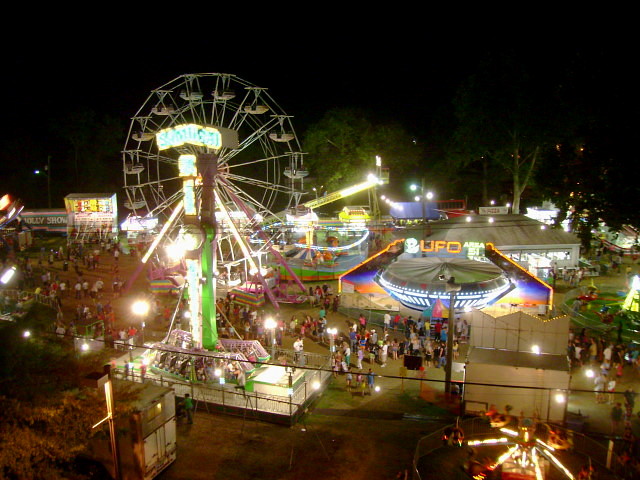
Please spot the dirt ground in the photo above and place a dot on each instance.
(330, 445)
(342, 435)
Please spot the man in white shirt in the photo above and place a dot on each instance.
(387, 320)
(384, 352)
(298, 348)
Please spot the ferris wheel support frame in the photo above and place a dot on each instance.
(207, 165)
(268, 243)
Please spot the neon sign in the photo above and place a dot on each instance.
(444, 248)
(191, 134)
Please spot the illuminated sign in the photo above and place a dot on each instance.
(444, 248)
(191, 134)
(91, 205)
(493, 210)
(187, 166)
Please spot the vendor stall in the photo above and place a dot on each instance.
(92, 217)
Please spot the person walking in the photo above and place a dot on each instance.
(360, 357)
(384, 353)
(188, 407)
(298, 348)
(370, 381)
(349, 379)
(616, 418)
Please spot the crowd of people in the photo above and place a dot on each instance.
(73, 279)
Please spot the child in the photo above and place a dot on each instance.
(359, 380)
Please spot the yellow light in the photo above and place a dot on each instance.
(550, 456)
(163, 231)
(503, 458)
(140, 307)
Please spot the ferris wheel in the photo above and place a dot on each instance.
(260, 173)
(268, 151)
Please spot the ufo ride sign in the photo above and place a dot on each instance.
(442, 248)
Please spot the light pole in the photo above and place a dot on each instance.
(47, 172)
(422, 197)
(141, 309)
(97, 380)
(270, 324)
(332, 332)
(451, 287)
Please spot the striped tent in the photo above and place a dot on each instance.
(162, 286)
(439, 310)
(252, 299)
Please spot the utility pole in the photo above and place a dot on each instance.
(451, 287)
(49, 179)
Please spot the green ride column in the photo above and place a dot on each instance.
(208, 166)
(209, 328)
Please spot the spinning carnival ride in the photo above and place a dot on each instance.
(527, 456)
(205, 156)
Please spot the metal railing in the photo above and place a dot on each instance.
(602, 454)
(25, 296)
(373, 317)
(473, 427)
(232, 400)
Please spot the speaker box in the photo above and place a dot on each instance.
(412, 362)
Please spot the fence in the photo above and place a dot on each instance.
(477, 427)
(235, 401)
(473, 427)
(373, 317)
(577, 317)
(24, 297)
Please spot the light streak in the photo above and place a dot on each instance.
(165, 227)
(234, 230)
(558, 464)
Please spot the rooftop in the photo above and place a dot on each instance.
(505, 230)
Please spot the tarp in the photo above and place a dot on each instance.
(439, 310)
(414, 211)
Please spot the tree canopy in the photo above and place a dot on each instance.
(507, 116)
(591, 175)
(342, 147)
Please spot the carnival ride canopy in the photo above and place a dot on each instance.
(433, 269)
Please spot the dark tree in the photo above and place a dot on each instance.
(507, 117)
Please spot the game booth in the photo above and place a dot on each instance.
(92, 217)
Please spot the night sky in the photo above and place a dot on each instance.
(406, 78)
(306, 80)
